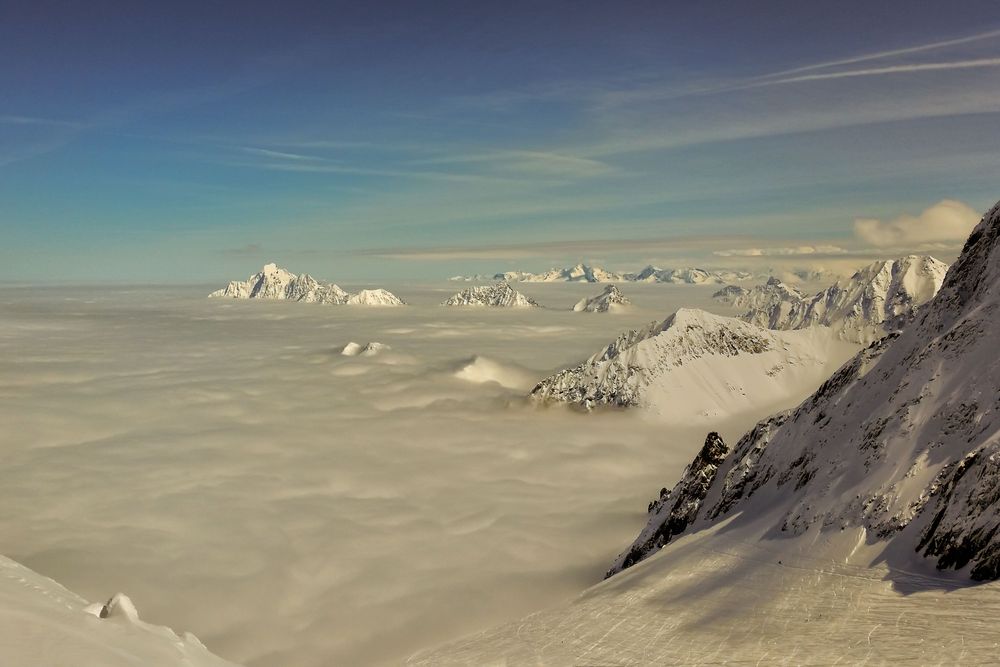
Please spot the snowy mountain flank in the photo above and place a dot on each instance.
(862, 308)
(902, 442)
(42, 623)
(698, 365)
(584, 273)
(500, 295)
(847, 530)
(610, 299)
(273, 282)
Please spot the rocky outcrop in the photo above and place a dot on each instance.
(675, 509)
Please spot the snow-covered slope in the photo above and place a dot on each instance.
(42, 623)
(902, 442)
(861, 308)
(273, 282)
(369, 349)
(831, 533)
(610, 299)
(374, 297)
(698, 365)
(500, 295)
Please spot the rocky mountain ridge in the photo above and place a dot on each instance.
(902, 442)
(862, 308)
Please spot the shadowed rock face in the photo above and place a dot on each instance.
(903, 441)
(677, 508)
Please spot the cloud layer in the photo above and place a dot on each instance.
(946, 222)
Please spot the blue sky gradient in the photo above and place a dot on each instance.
(370, 141)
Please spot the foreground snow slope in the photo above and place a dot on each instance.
(42, 623)
(726, 597)
(696, 365)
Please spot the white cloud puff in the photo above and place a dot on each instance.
(948, 221)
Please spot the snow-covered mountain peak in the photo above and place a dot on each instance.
(695, 364)
(499, 295)
(610, 299)
(273, 282)
(862, 308)
(375, 297)
(903, 442)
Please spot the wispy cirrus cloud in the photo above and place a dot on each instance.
(782, 251)
(525, 162)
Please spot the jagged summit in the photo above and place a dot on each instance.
(697, 364)
(903, 442)
(862, 308)
(499, 295)
(273, 282)
(610, 299)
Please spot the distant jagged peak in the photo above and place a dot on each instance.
(609, 300)
(861, 308)
(275, 283)
(498, 295)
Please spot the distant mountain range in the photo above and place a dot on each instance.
(583, 273)
(273, 282)
(861, 308)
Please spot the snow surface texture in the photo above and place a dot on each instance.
(610, 299)
(595, 274)
(828, 535)
(273, 282)
(696, 365)
(500, 295)
(42, 623)
(864, 307)
(237, 477)
(902, 442)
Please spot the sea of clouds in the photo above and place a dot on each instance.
(224, 465)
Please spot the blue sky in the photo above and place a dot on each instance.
(367, 141)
